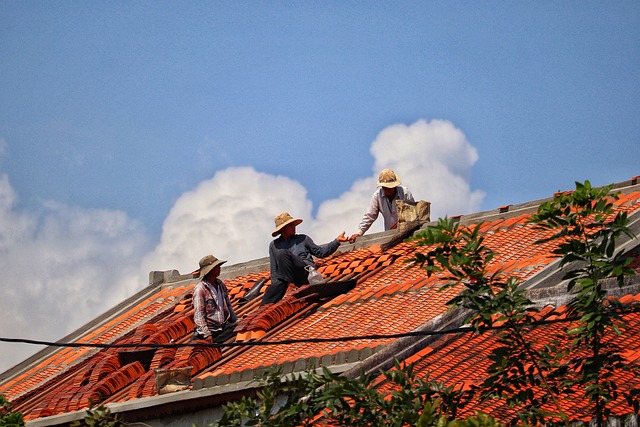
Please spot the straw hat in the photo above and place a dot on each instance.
(207, 264)
(388, 179)
(284, 219)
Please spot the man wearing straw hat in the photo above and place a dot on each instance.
(383, 201)
(291, 257)
(213, 315)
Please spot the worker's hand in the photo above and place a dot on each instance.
(353, 237)
(342, 238)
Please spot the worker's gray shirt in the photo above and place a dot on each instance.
(302, 246)
(379, 203)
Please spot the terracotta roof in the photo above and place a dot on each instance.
(462, 361)
(390, 297)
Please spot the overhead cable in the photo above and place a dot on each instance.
(463, 329)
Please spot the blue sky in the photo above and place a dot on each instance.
(143, 135)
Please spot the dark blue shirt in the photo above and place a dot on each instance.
(302, 246)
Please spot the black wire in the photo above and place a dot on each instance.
(467, 329)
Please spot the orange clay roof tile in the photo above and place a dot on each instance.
(328, 269)
(464, 360)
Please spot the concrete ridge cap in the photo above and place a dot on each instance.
(559, 294)
(492, 215)
(551, 275)
(531, 206)
(259, 265)
(627, 186)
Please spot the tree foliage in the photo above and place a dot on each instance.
(8, 418)
(586, 229)
(337, 400)
(520, 373)
(99, 416)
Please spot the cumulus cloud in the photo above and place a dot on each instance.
(231, 215)
(66, 265)
(433, 159)
(61, 267)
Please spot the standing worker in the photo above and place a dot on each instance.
(383, 201)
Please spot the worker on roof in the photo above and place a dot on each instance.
(383, 201)
(291, 257)
(213, 315)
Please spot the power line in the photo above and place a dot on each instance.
(464, 329)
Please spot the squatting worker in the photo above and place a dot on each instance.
(213, 315)
(383, 201)
(291, 255)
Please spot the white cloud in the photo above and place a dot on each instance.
(67, 265)
(433, 159)
(229, 216)
(61, 268)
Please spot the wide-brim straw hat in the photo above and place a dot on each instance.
(207, 264)
(283, 220)
(388, 179)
